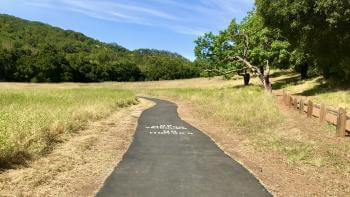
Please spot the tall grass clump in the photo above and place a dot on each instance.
(249, 108)
(32, 120)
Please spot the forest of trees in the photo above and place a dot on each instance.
(37, 52)
(310, 36)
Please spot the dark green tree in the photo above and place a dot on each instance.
(317, 28)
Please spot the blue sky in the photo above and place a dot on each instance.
(161, 24)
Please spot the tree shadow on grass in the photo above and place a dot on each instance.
(282, 72)
(21, 160)
(293, 79)
(282, 83)
(323, 89)
(238, 87)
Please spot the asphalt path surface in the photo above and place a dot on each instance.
(169, 157)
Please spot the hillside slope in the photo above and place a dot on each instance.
(37, 52)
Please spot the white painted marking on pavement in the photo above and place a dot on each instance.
(167, 129)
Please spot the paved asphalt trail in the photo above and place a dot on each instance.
(169, 157)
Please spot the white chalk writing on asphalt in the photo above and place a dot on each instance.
(167, 127)
(168, 130)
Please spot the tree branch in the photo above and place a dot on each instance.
(244, 61)
(223, 73)
(267, 72)
(246, 44)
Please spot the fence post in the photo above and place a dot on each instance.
(341, 122)
(323, 113)
(295, 104)
(290, 101)
(301, 108)
(286, 99)
(310, 109)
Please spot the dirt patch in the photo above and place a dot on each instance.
(79, 166)
(280, 175)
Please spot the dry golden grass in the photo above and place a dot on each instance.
(315, 89)
(79, 166)
(246, 108)
(216, 82)
(34, 117)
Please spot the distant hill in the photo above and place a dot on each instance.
(37, 52)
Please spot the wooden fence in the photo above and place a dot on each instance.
(336, 117)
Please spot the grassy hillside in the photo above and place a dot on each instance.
(37, 52)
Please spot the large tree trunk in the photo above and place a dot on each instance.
(266, 82)
(246, 78)
(303, 71)
(262, 69)
(263, 76)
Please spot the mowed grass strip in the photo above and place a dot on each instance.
(33, 120)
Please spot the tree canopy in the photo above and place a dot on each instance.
(317, 28)
(298, 34)
(245, 48)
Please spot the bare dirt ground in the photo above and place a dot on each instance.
(79, 166)
(274, 170)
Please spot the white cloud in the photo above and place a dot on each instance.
(148, 11)
(121, 8)
(233, 6)
(188, 30)
(122, 15)
(36, 3)
(181, 16)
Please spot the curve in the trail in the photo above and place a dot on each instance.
(169, 157)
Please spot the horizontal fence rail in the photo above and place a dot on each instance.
(339, 117)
